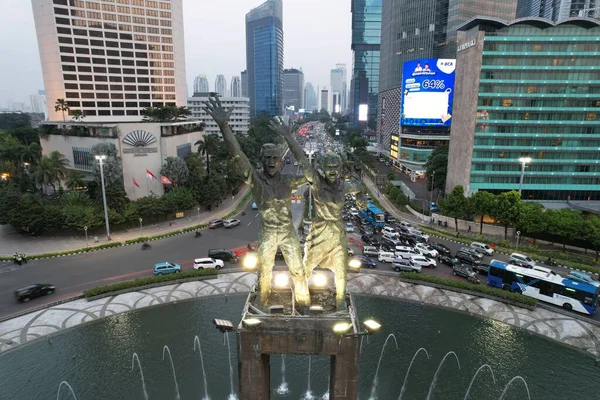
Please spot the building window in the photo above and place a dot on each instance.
(184, 150)
(82, 158)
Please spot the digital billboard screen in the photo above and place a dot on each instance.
(363, 112)
(427, 92)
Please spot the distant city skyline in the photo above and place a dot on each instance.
(20, 68)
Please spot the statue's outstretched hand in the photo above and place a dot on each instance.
(281, 128)
(214, 108)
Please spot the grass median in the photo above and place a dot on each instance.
(450, 283)
(151, 280)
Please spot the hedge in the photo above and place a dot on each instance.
(69, 252)
(140, 282)
(514, 297)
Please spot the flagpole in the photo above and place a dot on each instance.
(147, 183)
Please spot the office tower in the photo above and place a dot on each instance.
(366, 39)
(244, 78)
(325, 99)
(221, 85)
(201, 84)
(339, 84)
(420, 30)
(558, 10)
(520, 115)
(239, 121)
(38, 102)
(236, 87)
(264, 58)
(310, 97)
(293, 88)
(109, 60)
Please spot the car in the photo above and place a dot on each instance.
(466, 272)
(165, 268)
(467, 258)
(433, 207)
(223, 254)
(386, 256)
(522, 260)
(448, 260)
(426, 250)
(423, 261)
(482, 269)
(208, 263)
(389, 231)
(345, 216)
(215, 223)
(405, 252)
(350, 251)
(405, 224)
(442, 249)
(353, 212)
(254, 206)
(482, 248)
(390, 219)
(295, 163)
(472, 252)
(29, 292)
(418, 234)
(349, 227)
(369, 240)
(370, 251)
(366, 230)
(365, 262)
(400, 264)
(391, 242)
(287, 161)
(582, 277)
(230, 223)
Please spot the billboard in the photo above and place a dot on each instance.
(427, 92)
(363, 112)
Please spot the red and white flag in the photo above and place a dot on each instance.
(165, 181)
(150, 175)
(136, 183)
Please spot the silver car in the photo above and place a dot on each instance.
(230, 223)
(401, 264)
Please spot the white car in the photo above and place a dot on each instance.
(406, 252)
(208, 263)
(400, 264)
(350, 251)
(353, 212)
(386, 256)
(423, 261)
(482, 248)
(416, 232)
(349, 227)
(405, 224)
(230, 223)
(522, 260)
(370, 251)
(389, 231)
(426, 250)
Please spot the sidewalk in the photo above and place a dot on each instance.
(11, 241)
(382, 199)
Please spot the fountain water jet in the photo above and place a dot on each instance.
(308, 395)
(283, 389)
(133, 359)
(510, 382)
(232, 395)
(475, 376)
(408, 370)
(177, 396)
(197, 344)
(438, 371)
(375, 380)
(70, 388)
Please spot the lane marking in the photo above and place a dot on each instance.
(249, 223)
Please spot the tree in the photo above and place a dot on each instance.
(456, 204)
(566, 223)
(532, 219)
(176, 170)
(14, 120)
(436, 168)
(62, 106)
(74, 179)
(391, 176)
(113, 176)
(208, 147)
(165, 113)
(591, 233)
(77, 115)
(507, 208)
(481, 204)
(178, 199)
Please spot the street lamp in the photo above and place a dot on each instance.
(101, 160)
(524, 161)
(141, 228)
(432, 180)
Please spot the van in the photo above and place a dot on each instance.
(406, 252)
(386, 256)
(522, 260)
(482, 248)
(370, 251)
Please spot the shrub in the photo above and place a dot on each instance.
(514, 297)
(140, 282)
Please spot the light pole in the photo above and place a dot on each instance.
(141, 228)
(432, 180)
(101, 160)
(524, 161)
(86, 236)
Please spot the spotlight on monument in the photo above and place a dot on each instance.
(316, 310)
(223, 325)
(250, 261)
(319, 280)
(282, 280)
(354, 264)
(276, 309)
(371, 326)
(251, 322)
(342, 328)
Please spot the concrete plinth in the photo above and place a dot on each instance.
(308, 335)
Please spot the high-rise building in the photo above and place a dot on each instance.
(366, 39)
(239, 121)
(293, 88)
(221, 85)
(236, 87)
(38, 102)
(522, 112)
(339, 84)
(310, 97)
(264, 58)
(105, 59)
(201, 84)
(244, 78)
(325, 99)
(558, 10)
(417, 30)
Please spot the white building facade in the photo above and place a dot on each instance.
(325, 99)
(339, 84)
(240, 117)
(236, 87)
(221, 85)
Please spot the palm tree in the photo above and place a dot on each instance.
(62, 106)
(74, 179)
(31, 154)
(60, 163)
(46, 174)
(208, 147)
(77, 115)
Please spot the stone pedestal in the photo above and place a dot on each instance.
(309, 335)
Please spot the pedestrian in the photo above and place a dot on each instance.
(469, 230)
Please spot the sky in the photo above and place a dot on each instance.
(316, 37)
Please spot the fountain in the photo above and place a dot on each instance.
(408, 370)
(197, 344)
(475, 376)
(232, 395)
(283, 389)
(432, 386)
(510, 382)
(133, 359)
(68, 386)
(166, 348)
(308, 395)
(375, 381)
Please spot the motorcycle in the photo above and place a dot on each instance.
(17, 259)
(551, 262)
(198, 234)
(146, 246)
(243, 212)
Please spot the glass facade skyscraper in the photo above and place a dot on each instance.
(264, 58)
(527, 89)
(366, 39)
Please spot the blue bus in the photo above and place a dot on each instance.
(545, 285)
(374, 215)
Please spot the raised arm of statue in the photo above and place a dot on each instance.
(214, 108)
(285, 131)
(355, 187)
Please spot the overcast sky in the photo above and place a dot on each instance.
(316, 37)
